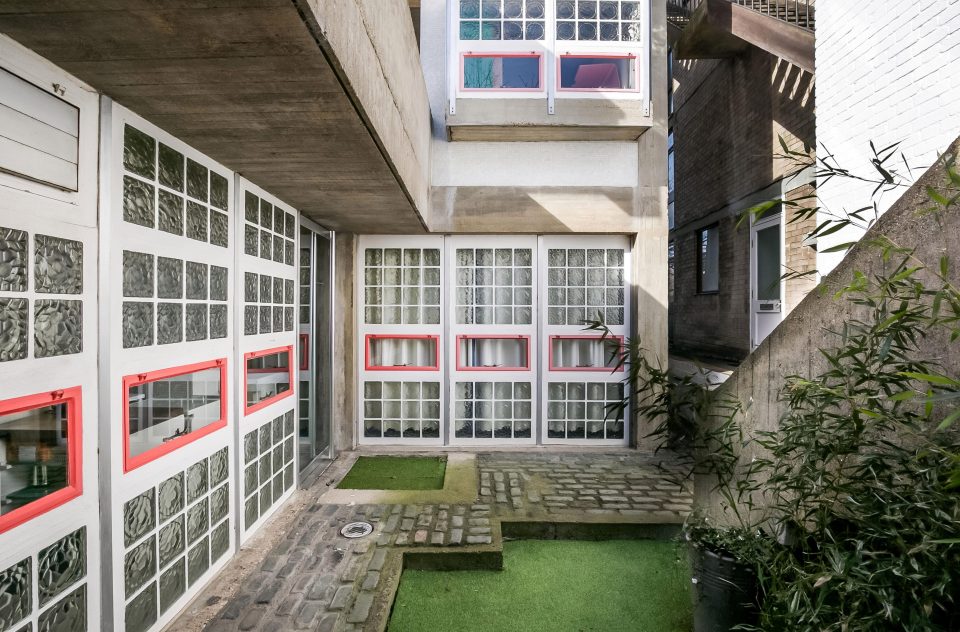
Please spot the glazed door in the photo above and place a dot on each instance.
(766, 287)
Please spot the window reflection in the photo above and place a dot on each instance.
(267, 376)
(172, 407)
(33, 455)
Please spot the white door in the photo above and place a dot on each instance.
(766, 270)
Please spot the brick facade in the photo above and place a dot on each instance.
(729, 117)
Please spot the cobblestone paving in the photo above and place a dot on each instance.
(314, 579)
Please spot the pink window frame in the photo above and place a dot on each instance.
(461, 367)
(463, 59)
(73, 398)
(552, 367)
(247, 409)
(376, 367)
(131, 463)
(585, 55)
(304, 352)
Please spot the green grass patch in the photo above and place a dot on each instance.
(554, 586)
(395, 472)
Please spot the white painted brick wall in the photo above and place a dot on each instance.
(887, 71)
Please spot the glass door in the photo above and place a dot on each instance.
(766, 245)
(314, 354)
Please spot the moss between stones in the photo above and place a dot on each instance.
(395, 472)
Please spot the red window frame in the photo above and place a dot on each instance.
(552, 367)
(461, 367)
(247, 410)
(131, 463)
(376, 367)
(586, 55)
(463, 61)
(304, 352)
(73, 398)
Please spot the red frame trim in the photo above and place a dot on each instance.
(376, 367)
(461, 367)
(551, 367)
(463, 58)
(247, 410)
(585, 55)
(304, 352)
(73, 398)
(133, 462)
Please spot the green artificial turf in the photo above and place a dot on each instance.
(554, 586)
(395, 472)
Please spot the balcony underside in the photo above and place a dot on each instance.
(269, 88)
(719, 28)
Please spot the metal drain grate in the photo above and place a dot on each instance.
(356, 530)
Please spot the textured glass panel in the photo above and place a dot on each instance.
(141, 612)
(218, 191)
(138, 152)
(171, 541)
(288, 292)
(13, 329)
(137, 274)
(196, 221)
(266, 320)
(277, 458)
(196, 480)
(288, 422)
(250, 479)
(169, 278)
(277, 429)
(251, 207)
(250, 287)
(278, 485)
(219, 503)
(137, 324)
(170, 207)
(266, 498)
(265, 438)
(198, 520)
(58, 265)
(171, 167)
(278, 248)
(68, 615)
(138, 202)
(288, 450)
(277, 290)
(288, 253)
(289, 226)
(62, 564)
(170, 497)
(13, 260)
(198, 561)
(278, 319)
(250, 450)
(288, 319)
(173, 582)
(138, 517)
(219, 467)
(139, 565)
(196, 321)
(266, 214)
(196, 180)
(251, 511)
(219, 229)
(250, 320)
(265, 469)
(218, 284)
(219, 541)
(58, 328)
(15, 593)
(251, 237)
(218, 321)
(266, 245)
(288, 476)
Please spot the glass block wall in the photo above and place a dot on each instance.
(400, 295)
(268, 467)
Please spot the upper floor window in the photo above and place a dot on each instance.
(606, 20)
(502, 19)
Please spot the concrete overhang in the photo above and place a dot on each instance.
(321, 102)
(527, 120)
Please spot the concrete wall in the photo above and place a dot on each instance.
(887, 74)
(729, 117)
(793, 348)
(344, 422)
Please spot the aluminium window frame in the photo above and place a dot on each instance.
(504, 336)
(541, 71)
(368, 338)
(252, 355)
(581, 369)
(588, 54)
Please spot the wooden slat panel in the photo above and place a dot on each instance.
(37, 165)
(28, 131)
(27, 98)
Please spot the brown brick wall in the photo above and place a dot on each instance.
(728, 117)
(799, 258)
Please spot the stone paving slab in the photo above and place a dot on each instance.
(315, 579)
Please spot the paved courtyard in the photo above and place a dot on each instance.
(301, 574)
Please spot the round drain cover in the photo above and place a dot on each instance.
(356, 530)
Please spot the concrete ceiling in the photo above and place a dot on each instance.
(244, 81)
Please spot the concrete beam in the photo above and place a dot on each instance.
(320, 107)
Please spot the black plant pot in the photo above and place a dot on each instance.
(724, 591)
